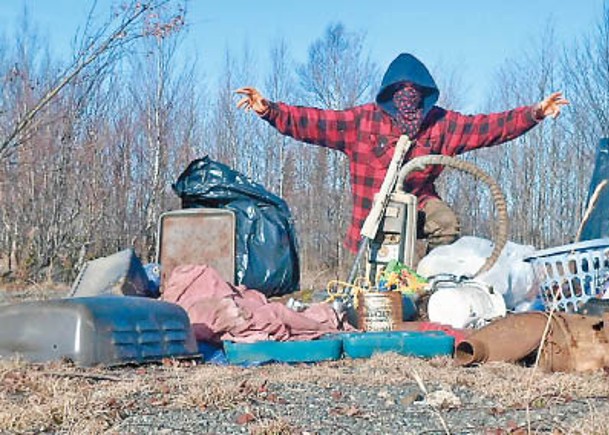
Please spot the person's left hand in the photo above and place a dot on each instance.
(551, 105)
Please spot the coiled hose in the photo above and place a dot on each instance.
(502, 226)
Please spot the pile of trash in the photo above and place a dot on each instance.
(209, 296)
(121, 311)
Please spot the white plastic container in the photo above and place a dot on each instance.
(569, 275)
(464, 303)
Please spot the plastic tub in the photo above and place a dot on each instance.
(262, 352)
(423, 344)
(569, 275)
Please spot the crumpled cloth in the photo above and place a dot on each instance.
(220, 311)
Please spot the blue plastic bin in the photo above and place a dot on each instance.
(423, 344)
(326, 349)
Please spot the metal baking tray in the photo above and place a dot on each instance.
(200, 236)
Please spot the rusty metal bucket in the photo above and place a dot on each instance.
(379, 311)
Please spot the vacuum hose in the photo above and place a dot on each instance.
(501, 232)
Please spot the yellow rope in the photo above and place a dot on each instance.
(340, 289)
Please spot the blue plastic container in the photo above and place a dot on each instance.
(96, 330)
(262, 352)
(409, 308)
(423, 344)
(212, 353)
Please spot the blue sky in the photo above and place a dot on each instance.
(476, 36)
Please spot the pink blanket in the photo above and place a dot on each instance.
(220, 311)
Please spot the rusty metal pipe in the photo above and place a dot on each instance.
(502, 226)
(509, 339)
(574, 343)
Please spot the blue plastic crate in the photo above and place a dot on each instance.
(423, 344)
(262, 352)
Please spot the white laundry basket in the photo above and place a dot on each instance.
(569, 275)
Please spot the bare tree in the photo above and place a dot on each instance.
(234, 133)
(337, 75)
(586, 76)
(159, 91)
(280, 84)
(98, 48)
(538, 181)
(53, 151)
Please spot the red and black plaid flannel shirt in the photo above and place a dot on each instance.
(368, 136)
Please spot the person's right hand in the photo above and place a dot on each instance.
(252, 100)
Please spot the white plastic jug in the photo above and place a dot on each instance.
(464, 303)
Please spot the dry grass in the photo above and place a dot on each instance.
(503, 382)
(60, 397)
(18, 291)
(277, 426)
(595, 422)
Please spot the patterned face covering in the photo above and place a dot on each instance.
(409, 115)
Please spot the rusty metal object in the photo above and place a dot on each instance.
(502, 227)
(574, 343)
(201, 236)
(379, 311)
(509, 339)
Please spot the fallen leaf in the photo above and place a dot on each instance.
(411, 398)
(336, 395)
(349, 411)
(245, 418)
(263, 388)
(352, 411)
(496, 410)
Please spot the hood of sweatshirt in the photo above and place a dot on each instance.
(407, 68)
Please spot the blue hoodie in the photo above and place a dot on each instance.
(407, 68)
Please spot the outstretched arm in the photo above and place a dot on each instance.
(329, 128)
(468, 132)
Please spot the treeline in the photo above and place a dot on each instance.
(90, 172)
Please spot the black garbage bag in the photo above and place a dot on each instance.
(597, 225)
(267, 249)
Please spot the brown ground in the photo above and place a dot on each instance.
(58, 397)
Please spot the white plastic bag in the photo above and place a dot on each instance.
(511, 276)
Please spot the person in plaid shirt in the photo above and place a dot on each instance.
(368, 133)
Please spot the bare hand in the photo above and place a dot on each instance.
(252, 100)
(551, 105)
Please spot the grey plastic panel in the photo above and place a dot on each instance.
(108, 330)
(119, 274)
